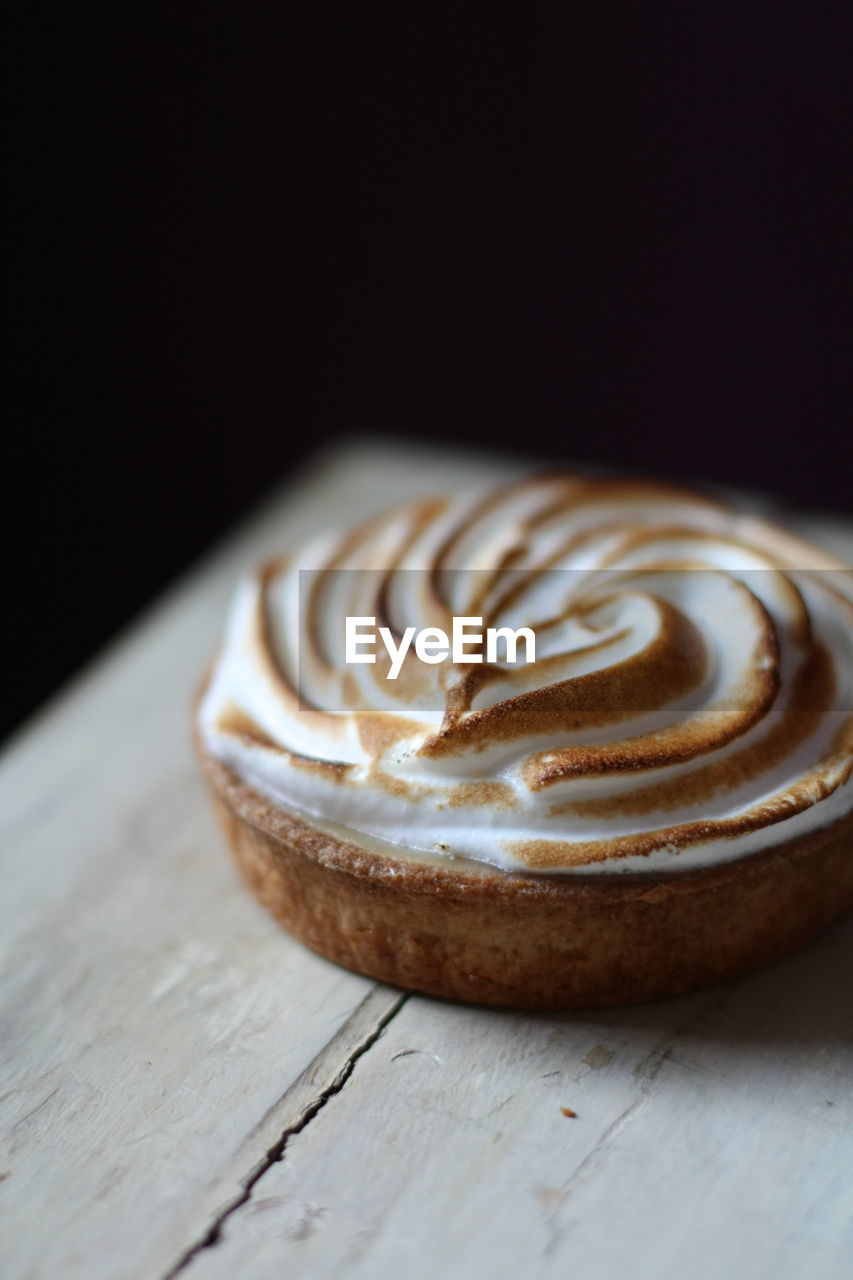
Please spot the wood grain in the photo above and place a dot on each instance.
(713, 1136)
(182, 1086)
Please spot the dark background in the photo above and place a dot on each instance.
(620, 236)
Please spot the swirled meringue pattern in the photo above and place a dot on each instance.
(690, 702)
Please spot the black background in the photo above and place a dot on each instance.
(620, 235)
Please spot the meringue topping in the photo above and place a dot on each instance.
(690, 702)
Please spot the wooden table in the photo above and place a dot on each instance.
(186, 1089)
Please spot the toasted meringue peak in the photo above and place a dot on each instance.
(690, 701)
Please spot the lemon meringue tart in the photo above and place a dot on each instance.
(656, 800)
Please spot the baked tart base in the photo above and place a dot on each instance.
(466, 931)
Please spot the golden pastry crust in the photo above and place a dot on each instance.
(534, 942)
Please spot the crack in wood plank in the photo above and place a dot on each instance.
(645, 1072)
(33, 1110)
(556, 1232)
(307, 1111)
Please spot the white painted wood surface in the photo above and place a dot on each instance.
(161, 1037)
